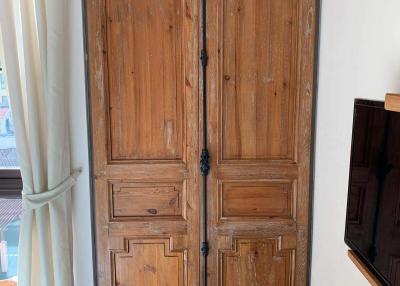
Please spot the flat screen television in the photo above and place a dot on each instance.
(373, 207)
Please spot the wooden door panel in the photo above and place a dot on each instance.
(258, 75)
(258, 261)
(149, 262)
(256, 199)
(145, 50)
(144, 97)
(129, 200)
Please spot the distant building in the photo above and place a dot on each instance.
(6, 122)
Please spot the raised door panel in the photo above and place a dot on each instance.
(149, 262)
(146, 77)
(143, 58)
(258, 76)
(131, 200)
(257, 199)
(258, 261)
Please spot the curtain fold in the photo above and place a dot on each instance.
(34, 35)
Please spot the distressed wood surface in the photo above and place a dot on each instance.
(145, 86)
(258, 261)
(143, 59)
(145, 51)
(260, 107)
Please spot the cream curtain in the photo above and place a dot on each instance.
(34, 36)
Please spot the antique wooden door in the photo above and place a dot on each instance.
(260, 98)
(143, 59)
(148, 122)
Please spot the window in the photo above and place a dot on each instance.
(10, 185)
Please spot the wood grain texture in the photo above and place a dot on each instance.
(392, 102)
(138, 200)
(267, 262)
(143, 69)
(260, 110)
(258, 75)
(149, 262)
(144, 77)
(262, 199)
(146, 83)
(363, 269)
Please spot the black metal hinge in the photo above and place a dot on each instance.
(204, 162)
(204, 248)
(204, 58)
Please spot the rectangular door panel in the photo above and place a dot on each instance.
(258, 75)
(256, 199)
(147, 200)
(258, 261)
(145, 50)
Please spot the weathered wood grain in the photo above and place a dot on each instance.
(144, 79)
(143, 68)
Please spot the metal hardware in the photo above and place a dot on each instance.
(204, 162)
(205, 157)
(204, 249)
(204, 58)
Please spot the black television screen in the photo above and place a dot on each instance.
(373, 207)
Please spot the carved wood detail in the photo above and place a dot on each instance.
(258, 261)
(149, 261)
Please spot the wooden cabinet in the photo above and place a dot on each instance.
(146, 106)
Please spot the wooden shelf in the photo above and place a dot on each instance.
(364, 269)
(392, 102)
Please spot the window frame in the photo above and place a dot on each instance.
(10, 183)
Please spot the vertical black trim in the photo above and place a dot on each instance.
(204, 161)
(90, 139)
(314, 135)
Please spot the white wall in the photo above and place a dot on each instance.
(83, 268)
(359, 58)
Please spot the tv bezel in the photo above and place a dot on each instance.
(353, 246)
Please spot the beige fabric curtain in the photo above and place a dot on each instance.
(34, 36)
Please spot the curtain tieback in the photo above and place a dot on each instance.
(37, 200)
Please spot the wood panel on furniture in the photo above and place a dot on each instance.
(392, 102)
(363, 269)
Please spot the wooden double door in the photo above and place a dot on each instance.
(147, 125)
